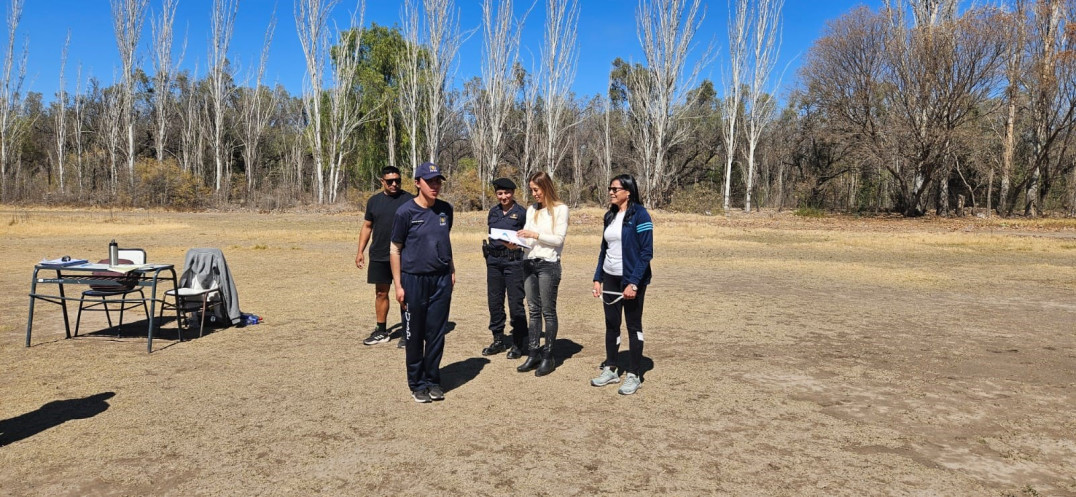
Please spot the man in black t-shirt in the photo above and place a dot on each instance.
(380, 210)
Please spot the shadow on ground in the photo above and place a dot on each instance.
(457, 374)
(52, 414)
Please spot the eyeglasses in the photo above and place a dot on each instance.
(615, 189)
(392, 181)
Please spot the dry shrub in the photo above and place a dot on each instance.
(164, 184)
(697, 199)
(464, 191)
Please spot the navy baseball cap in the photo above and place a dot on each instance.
(428, 171)
(503, 184)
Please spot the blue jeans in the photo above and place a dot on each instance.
(541, 280)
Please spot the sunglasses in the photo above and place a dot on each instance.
(392, 181)
(616, 189)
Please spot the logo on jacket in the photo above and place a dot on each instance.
(444, 219)
(513, 216)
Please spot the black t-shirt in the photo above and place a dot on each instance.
(513, 220)
(380, 210)
(424, 233)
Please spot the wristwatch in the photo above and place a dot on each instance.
(634, 287)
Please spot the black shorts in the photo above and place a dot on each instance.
(379, 273)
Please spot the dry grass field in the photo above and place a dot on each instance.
(788, 356)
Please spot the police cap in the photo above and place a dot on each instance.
(503, 184)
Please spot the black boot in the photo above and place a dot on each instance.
(531, 363)
(548, 364)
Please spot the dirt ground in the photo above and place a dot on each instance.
(786, 356)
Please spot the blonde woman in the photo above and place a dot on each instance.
(546, 227)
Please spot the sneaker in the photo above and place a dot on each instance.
(608, 376)
(515, 352)
(421, 396)
(376, 337)
(494, 348)
(436, 393)
(401, 343)
(631, 384)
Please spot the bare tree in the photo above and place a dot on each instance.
(737, 67)
(113, 97)
(491, 107)
(1052, 115)
(760, 104)
(657, 92)
(410, 67)
(605, 145)
(220, 85)
(10, 95)
(532, 139)
(257, 105)
(558, 71)
(61, 117)
(164, 68)
(127, 18)
(79, 106)
(312, 24)
(345, 116)
(443, 40)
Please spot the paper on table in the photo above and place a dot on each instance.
(126, 268)
(508, 236)
(62, 263)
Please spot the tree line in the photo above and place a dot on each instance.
(913, 107)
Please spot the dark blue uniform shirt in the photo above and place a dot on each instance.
(513, 220)
(424, 235)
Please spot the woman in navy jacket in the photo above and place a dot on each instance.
(621, 278)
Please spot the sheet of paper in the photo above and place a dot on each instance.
(126, 268)
(62, 263)
(508, 236)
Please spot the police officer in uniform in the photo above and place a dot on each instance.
(504, 273)
(424, 273)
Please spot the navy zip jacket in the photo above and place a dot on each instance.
(637, 245)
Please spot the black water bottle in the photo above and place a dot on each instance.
(113, 253)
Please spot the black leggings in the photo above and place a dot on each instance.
(633, 314)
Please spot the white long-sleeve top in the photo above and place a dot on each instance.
(551, 232)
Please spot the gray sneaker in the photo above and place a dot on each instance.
(421, 396)
(609, 375)
(631, 384)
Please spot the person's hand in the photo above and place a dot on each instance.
(400, 295)
(360, 261)
(453, 279)
(526, 234)
(597, 289)
(629, 293)
(511, 246)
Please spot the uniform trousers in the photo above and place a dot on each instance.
(428, 298)
(504, 275)
(633, 314)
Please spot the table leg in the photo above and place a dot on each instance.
(30, 318)
(63, 303)
(152, 309)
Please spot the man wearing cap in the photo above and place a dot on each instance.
(380, 212)
(504, 273)
(424, 274)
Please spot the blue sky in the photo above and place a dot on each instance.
(606, 30)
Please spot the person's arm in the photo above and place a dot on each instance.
(644, 238)
(559, 229)
(598, 270)
(364, 238)
(394, 263)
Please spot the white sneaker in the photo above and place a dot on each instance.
(608, 376)
(631, 384)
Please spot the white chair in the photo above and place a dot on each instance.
(194, 298)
